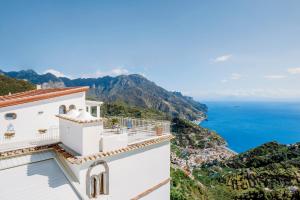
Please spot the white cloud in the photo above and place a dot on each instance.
(222, 58)
(224, 81)
(235, 76)
(274, 76)
(56, 73)
(294, 70)
(113, 72)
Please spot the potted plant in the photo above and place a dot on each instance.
(159, 130)
(42, 131)
(115, 122)
(9, 134)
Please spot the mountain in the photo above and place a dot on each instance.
(134, 90)
(10, 85)
(32, 76)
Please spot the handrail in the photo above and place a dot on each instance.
(49, 137)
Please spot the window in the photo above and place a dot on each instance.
(71, 107)
(10, 116)
(102, 190)
(62, 109)
(94, 111)
(98, 183)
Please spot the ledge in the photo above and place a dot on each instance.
(152, 189)
(78, 121)
(79, 160)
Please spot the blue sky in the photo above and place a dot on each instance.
(211, 50)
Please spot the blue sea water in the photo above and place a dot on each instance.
(245, 125)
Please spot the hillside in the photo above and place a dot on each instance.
(270, 171)
(10, 85)
(191, 135)
(134, 90)
(188, 136)
(184, 187)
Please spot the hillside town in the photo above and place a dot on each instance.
(191, 158)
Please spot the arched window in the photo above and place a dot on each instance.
(62, 109)
(97, 184)
(10, 116)
(71, 107)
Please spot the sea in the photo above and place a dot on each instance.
(245, 125)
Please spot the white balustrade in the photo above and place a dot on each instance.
(137, 129)
(50, 136)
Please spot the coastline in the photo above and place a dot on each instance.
(232, 151)
(200, 120)
(246, 125)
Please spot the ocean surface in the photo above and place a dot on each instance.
(245, 125)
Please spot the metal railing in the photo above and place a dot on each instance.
(50, 136)
(137, 129)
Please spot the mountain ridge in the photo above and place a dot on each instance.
(133, 89)
(9, 85)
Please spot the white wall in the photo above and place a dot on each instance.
(91, 138)
(71, 135)
(82, 138)
(137, 173)
(134, 172)
(29, 121)
(162, 193)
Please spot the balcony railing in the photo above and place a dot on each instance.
(137, 129)
(50, 136)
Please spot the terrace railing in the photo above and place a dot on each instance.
(50, 136)
(137, 129)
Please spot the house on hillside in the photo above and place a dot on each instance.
(55, 145)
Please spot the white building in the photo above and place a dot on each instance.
(55, 145)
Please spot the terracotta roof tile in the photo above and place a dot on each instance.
(79, 160)
(37, 95)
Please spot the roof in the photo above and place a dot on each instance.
(37, 95)
(79, 160)
(79, 116)
(39, 176)
(93, 103)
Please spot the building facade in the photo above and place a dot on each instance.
(58, 143)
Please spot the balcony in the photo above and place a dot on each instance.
(117, 133)
(137, 130)
(42, 137)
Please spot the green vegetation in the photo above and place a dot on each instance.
(185, 188)
(120, 109)
(271, 171)
(191, 135)
(10, 85)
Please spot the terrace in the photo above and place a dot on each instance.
(114, 129)
(137, 130)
